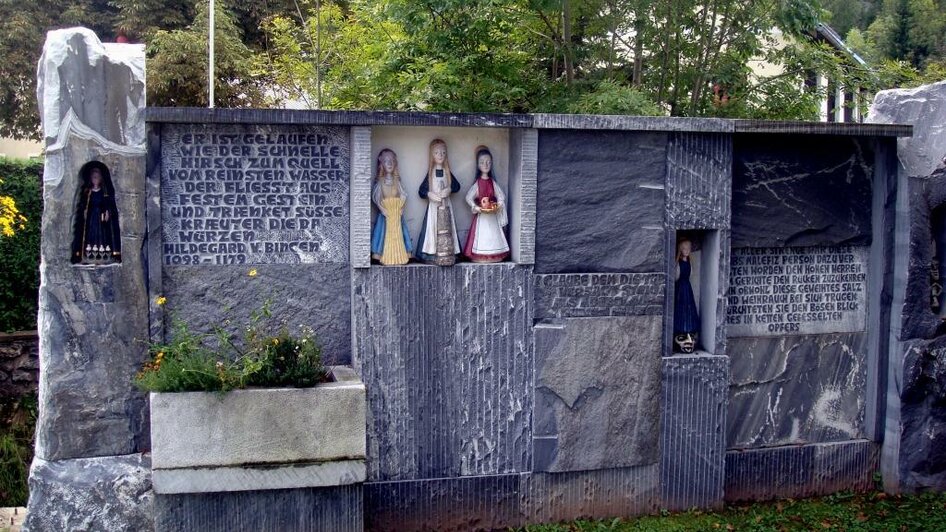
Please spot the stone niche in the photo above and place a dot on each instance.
(411, 144)
(704, 280)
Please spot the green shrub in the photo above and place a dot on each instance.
(218, 362)
(17, 424)
(19, 254)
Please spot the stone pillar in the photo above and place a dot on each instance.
(913, 456)
(89, 472)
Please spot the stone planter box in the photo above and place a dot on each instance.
(260, 439)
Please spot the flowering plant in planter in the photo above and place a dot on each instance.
(221, 361)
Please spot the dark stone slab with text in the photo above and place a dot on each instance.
(254, 194)
(598, 294)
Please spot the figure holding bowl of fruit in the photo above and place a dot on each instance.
(486, 241)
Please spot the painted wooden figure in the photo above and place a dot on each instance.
(686, 318)
(486, 241)
(390, 239)
(438, 242)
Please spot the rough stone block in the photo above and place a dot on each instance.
(692, 432)
(92, 319)
(258, 426)
(102, 85)
(304, 510)
(597, 393)
(313, 295)
(922, 416)
(446, 357)
(797, 389)
(794, 190)
(699, 180)
(600, 204)
(601, 494)
(925, 109)
(105, 493)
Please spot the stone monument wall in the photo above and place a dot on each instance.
(541, 388)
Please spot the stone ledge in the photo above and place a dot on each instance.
(259, 427)
(220, 479)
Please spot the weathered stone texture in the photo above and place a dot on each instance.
(100, 494)
(800, 471)
(311, 509)
(599, 494)
(446, 357)
(312, 295)
(600, 201)
(19, 364)
(699, 180)
(597, 393)
(361, 179)
(598, 294)
(925, 109)
(692, 432)
(103, 85)
(923, 416)
(93, 320)
(797, 389)
(792, 190)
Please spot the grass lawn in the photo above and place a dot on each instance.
(845, 511)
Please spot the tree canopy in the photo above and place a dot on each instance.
(676, 57)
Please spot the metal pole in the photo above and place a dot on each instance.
(210, 67)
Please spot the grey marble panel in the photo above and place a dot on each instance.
(794, 190)
(800, 471)
(797, 389)
(699, 180)
(313, 295)
(598, 294)
(104, 493)
(600, 201)
(307, 509)
(469, 503)
(692, 433)
(446, 358)
(597, 393)
(600, 494)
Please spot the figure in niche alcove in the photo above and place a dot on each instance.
(390, 240)
(438, 243)
(686, 318)
(97, 237)
(486, 241)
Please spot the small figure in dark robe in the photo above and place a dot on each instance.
(686, 318)
(97, 237)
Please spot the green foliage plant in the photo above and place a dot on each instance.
(17, 425)
(219, 361)
(21, 181)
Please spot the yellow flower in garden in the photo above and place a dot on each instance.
(160, 300)
(275, 341)
(253, 272)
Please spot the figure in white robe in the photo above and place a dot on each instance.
(438, 242)
(486, 241)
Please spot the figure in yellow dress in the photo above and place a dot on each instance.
(390, 240)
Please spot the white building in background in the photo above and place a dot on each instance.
(20, 149)
(838, 103)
